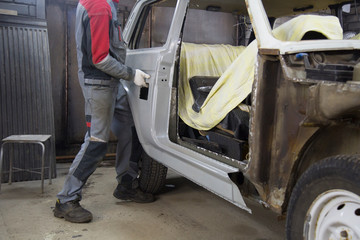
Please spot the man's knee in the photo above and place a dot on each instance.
(95, 139)
(93, 154)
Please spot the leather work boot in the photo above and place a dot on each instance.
(135, 195)
(72, 212)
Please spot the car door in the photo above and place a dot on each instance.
(153, 40)
(155, 51)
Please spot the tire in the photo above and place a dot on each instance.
(152, 175)
(325, 202)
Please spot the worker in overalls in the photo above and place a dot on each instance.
(101, 54)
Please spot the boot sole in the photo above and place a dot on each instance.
(80, 220)
(126, 198)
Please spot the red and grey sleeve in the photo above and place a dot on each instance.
(99, 29)
(100, 44)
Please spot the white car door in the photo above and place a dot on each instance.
(154, 55)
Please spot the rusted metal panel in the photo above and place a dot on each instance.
(298, 120)
(330, 101)
(262, 123)
(26, 104)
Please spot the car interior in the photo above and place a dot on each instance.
(228, 136)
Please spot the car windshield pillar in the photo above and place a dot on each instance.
(261, 25)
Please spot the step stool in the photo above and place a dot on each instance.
(36, 139)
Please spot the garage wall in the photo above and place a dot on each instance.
(352, 19)
(25, 8)
(26, 104)
(210, 27)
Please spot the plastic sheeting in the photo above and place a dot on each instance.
(356, 37)
(235, 66)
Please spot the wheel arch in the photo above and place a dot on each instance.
(342, 139)
(327, 179)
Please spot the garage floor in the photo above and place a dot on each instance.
(182, 211)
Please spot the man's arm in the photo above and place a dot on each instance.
(100, 42)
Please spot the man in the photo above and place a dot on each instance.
(101, 56)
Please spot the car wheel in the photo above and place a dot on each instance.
(152, 174)
(325, 203)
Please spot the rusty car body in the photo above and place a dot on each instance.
(301, 115)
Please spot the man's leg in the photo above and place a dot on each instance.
(128, 152)
(99, 109)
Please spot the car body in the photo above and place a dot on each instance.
(299, 114)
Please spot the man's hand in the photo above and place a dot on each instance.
(139, 78)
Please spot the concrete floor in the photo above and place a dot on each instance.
(182, 211)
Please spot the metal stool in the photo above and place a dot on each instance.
(37, 139)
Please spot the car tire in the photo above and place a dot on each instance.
(325, 202)
(152, 174)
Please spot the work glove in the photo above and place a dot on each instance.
(139, 78)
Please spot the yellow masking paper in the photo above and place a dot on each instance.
(235, 67)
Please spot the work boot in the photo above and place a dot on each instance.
(135, 195)
(72, 212)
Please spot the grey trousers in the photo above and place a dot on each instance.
(128, 150)
(106, 107)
